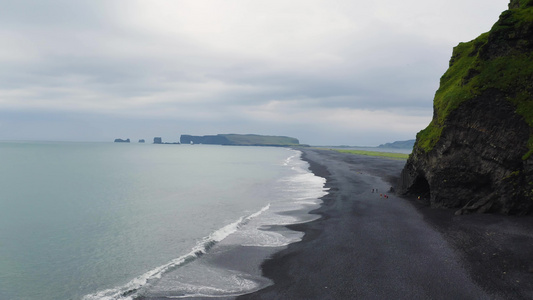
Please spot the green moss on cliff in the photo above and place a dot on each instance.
(428, 137)
(455, 88)
(521, 3)
(500, 60)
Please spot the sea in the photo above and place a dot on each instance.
(139, 221)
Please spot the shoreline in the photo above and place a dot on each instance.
(364, 246)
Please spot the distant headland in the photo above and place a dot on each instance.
(240, 140)
(399, 144)
(230, 139)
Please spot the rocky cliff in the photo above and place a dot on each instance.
(475, 155)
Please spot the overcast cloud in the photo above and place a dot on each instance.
(327, 72)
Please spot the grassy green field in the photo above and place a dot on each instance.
(401, 156)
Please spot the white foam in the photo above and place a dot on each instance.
(125, 292)
(298, 192)
(221, 283)
(289, 159)
(272, 239)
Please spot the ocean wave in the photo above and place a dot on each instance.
(299, 193)
(228, 284)
(292, 198)
(129, 290)
(291, 158)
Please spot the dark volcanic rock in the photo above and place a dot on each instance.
(476, 153)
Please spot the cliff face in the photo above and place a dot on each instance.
(475, 154)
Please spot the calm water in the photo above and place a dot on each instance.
(115, 221)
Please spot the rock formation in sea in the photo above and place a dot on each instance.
(476, 154)
(159, 141)
(122, 141)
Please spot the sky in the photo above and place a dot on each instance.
(335, 72)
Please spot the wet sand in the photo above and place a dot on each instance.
(369, 247)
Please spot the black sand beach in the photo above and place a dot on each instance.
(369, 247)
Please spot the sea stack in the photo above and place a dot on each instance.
(476, 154)
(122, 141)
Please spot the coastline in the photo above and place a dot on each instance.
(366, 247)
